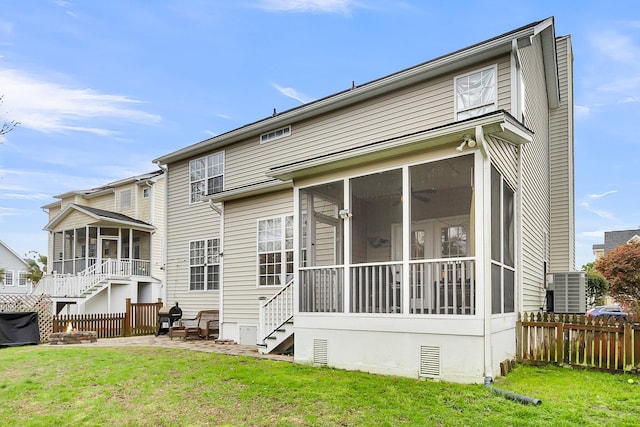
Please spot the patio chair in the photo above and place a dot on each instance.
(191, 327)
(209, 324)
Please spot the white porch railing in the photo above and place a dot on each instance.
(322, 289)
(76, 285)
(275, 311)
(436, 286)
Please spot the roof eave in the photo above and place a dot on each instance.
(257, 189)
(499, 123)
(460, 59)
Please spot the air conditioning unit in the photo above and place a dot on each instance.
(569, 292)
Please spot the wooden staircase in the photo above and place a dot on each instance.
(276, 323)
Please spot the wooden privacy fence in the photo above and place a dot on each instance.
(138, 319)
(578, 340)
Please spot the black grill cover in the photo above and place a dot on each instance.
(19, 329)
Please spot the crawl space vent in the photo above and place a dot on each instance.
(320, 352)
(429, 361)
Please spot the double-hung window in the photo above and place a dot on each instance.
(22, 278)
(476, 93)
(8, 278)
(204, 265)
(206, 176)
(275, 250)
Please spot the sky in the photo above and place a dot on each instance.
(101, 88)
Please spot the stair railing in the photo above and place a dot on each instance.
(275, 311)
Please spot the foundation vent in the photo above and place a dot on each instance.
(320, 352)
(429, 361)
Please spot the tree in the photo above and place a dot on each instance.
(621, 268)
(597, 285)
(37, 267)
(1, 274)
(6, 126)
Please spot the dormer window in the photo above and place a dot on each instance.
(475, 93)
(276, 134)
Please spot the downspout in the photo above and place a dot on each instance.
(486, 250)
(165, 277)
(220, 211)
(512, 396)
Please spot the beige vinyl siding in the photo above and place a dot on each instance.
(505, 158)
(241, 290)
(535, 179)
(106, 202)
(422, 106)
(562, 226)
(157, 218)
(186, 222)
(75, 220)
(143, 206)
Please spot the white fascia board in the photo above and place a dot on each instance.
(250, 190)
(546, 31)
(499, 123)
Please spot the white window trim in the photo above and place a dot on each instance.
(22, 276)
(146, 192)
(457, 111)
(205, 265)
(283, 249)
(8, 274)
(206, 175)
(273, 135)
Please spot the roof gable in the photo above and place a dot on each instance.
(96, 215)
(459, 59)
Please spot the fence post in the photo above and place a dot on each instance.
(126, 327)
(560, 341)
(628, 362)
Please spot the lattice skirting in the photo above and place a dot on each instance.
(38, 303)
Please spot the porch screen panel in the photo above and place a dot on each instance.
(442, 267)
(321, 248)
(376, 280)
(502, 245)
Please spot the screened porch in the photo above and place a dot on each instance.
(123, 251)
(399, 241)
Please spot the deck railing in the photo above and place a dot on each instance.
(76, 285)
(437, 286)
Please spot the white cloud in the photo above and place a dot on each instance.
(49, 107)
(292, 93)
(599, 195)
(326, 6)
(581, 111)
(616, 46)
(34, 196)
(604, 214)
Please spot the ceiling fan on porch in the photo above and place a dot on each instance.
(421, 195)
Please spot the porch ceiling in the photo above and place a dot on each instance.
(499, 124)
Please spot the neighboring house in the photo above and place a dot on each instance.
(613, 239)
(16, 271)
(396, 227)
(105, 245)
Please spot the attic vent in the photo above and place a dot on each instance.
(276, 134)
(429, 361)
(320, 352)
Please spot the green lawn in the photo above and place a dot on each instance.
(129, 386)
